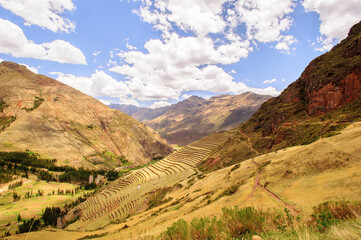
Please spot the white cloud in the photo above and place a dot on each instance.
(33, 69)
(1, 60)
(232, 71)
(337, 17)
(105, 102)
(15, 43)
(160, 104)
(284, 45)
(44, 13)
(270, 81)
(185, 96)
(96, 53)
(99, 84)
(283, 80)
(265, 20)
(181, 64)
(323, 44)
(130, 47)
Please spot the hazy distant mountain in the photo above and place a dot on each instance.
(57, 121)
(140, 113)
(196, 117)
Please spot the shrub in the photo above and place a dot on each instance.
(207, 228)
(16, 197)
(243, 222)
(29, 225)
(16, 184)
(178, 231)
(328, 213)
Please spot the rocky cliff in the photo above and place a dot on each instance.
(48, 117)
(325, 98)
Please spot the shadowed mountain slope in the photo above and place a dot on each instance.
(57, 121)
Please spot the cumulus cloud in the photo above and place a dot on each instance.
(270, 81)
(33, 69)
(130, 47)
(179, 64)
(336, 17)
(173, 64)
(185, 95)
(99, 84)
(160, 104)
(15, 43)
(44, 13)
(96, 53)
(265, 20)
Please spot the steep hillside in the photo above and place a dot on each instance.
(140, 113)
(295, 179)
(45, 116)
(322, 101)
(196, 117)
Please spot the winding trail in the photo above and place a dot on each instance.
(257, 184)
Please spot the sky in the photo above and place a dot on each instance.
(153, 53)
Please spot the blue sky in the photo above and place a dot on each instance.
(157, 52)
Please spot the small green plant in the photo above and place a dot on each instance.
(207, 228)
(37, 102)
(235, 167)
(178, 231)
(243, 222)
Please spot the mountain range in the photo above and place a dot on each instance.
(195, 117)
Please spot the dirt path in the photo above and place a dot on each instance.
(257, 183)
(5, 187)
(249, 143)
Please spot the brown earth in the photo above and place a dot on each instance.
(48, 117)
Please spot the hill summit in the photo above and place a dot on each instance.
(40, 114)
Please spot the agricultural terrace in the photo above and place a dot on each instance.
(131, 193)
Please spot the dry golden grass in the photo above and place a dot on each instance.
(302, 176)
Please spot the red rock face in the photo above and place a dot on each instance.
(331, 97)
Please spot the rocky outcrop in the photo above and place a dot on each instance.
(329, 82)
(332, 96)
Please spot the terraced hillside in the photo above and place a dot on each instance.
(132, 193)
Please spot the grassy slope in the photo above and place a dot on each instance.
(34, 206)
(303, 176)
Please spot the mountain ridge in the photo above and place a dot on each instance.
(195, 117)
(55, 120)
(323, 100)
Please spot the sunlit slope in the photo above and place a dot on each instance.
(296, 178)
(57, 121)
(130, 194)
